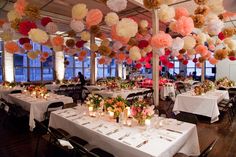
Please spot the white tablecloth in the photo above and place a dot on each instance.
(205, 105)
(167, 91)
(5, 91)
(37, 107)
(92, 88)
(161, 142)
(52, 87)
(122, 93)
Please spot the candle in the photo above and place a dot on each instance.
(147, 122)
(111, 114)
(90, 108)
(128, 111)
(129, 121)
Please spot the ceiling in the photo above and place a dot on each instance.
(60, 10)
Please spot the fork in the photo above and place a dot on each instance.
(122, 137)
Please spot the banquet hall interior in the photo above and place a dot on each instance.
(117, 78)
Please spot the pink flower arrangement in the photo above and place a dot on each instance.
(184, 25)
(161, 40)
(141, 111)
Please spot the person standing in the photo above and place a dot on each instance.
(81, 78)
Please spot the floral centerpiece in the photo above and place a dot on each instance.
(116, 105)
(38, 91)
(225, 82)
(127, 85)
(141, 111)
(208, 85)
(94, 102)
(9, 84)
(198, 90)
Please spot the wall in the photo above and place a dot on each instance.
(226, 68)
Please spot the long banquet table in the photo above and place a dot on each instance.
(94, 87)
(165, 141)
(205, 105)
(123, 93)
(36, 106)
(5, 91)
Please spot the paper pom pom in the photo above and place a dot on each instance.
(133, 42)
(45, 54)
(202, 9)
(80, 43)
(201, 49)
(184, 25)
(143, 43)
(80, 58)
(85, 36)
(104, 50)
(213, 61)
(189, 42)
(126, 28)
(182, 51)
(195, 60)
(77, 26)
(221, 36)
(148, 48)
(116, 46)
(42, 59)
(51, 28)
(229, 32)
(57, 40)
(166, 13)
(13, 15)
(45, 21)
(170, 65)
(181, 11)
(94, 17)
(177, 44)
(93, 47)
(32, 55)
(138, 66)
(134, 53)
(102, 60)
(143, 23)
(70, 43)
(198, 20)
(117, 5)
(152, 4)
(216, 6)
(83, 53)
(38, 35)
(111, 19)
(161, 40)
(32, 12)
(200, 2)
(220, 54)
(20, 6)
(231, 44)
(215, 26)
(79, 11)
(114, 36)
(24, 40)
(27, 46)
(26, 26)
(121, 56)
(11, 47)
(129, 61)
(148, 66)
(185, 62)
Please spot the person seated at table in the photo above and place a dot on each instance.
(81, 78)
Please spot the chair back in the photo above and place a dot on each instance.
(209, 148)
(62, 87)
(232, 92)
(16, 91)
(52, 107)
(187, 117)
(180, 87)
(221, 88)
(40, 128)
(78, 148)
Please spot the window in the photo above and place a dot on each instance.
(191, 67)
(20, 63)
(48, 65)
(73, 68)
(174, 70)
(209, 69)
(35, 65)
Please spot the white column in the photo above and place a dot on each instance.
(119, 70)
(203, 72)
(59, 65)
(8, 67)
(155, 66)
(93, 65)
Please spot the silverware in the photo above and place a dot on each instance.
(100, 125)
(142, 143)
(112, 132)
(174, 131)
(77, 118)
(71, 115)
(165, 138)
(122, 137)
(85, 123)
(126, 142)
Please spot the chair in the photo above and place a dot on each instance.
(78, 140)
(130, 98)
(15, 92)
(62, 89)
(222, 88)
(226, 106)
(180, 87)
(52, 107)
(70, 90)
(187, 117)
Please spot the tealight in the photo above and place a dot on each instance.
(90, 108)
(128, 111)
(147, 122)
(111, 114)
(129, 121)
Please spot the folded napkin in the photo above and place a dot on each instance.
(107, 129)
(134, 140)
(65, 143)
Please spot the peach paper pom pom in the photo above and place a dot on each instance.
(161, 40)
(181, 11)
(184, 25)
(94, 17)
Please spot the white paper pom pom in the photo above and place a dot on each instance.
(111, 19)
(231, 44)
(117, 5)
(85, 36)
(134, 53)
(79, 11)
(214, 27)
(166, 13)
(202, 37)
(51, 28)
(77, 25)
(38, 35)
(143, 23)
(177, 44)
(126, 28)
(216, 6)
(189, 42)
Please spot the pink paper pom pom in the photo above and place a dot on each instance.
(161, 40)
(77, 26)
(181, 11)
(94, 17)
(117, 5)
(201, 49)
(184, 25)
(51, 28)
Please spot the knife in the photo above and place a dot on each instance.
(174, 131)
(141, 144)
(112, 132)
(100, 125)
(85, 123)
(165, 138)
